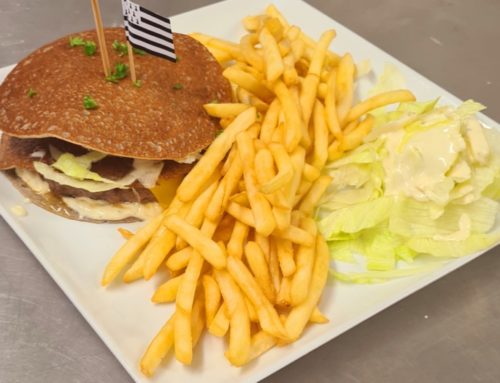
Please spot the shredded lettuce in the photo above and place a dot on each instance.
(356, 218)
(50, 173)
(454, 249)
(425, 182)
(74, 171)
(79, 167)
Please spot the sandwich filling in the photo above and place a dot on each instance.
(95, 185)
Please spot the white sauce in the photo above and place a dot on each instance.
(478, 146)
(102, 210)
(418, 169)
(189, 159)
(18, 210)
(33, 180)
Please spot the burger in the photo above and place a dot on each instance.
(106, 149)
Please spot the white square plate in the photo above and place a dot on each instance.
(75, 253)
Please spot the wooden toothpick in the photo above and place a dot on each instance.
(101, 38)
(131, 62)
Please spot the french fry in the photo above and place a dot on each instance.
(265, 163)
(272, 11)
(225, 110)
(310, 86)
(249, 82)
(320, 149)
(180, 259)
(335, 150)
(270, 121)
(232, 179)
(293, 119)
(248, 98)
(253, 23)
(224, 228)
(298, 160)
(285, 169)
(272, 57)
(187, 287)
(252, 313)
(233, 153)
(250, 54)
(158, 348)
(220, 323)
(130, 249)
(261, 210)
(285, 254)
(240, 198)
(332, 119)
(315, 193)
(225, 122)
(350, 127)
(263, 242)
(212, 297)
(261, 342)
(285, 46)
(136, 271)
(332, 59)
(283, 298)
(196, 213)
(201, 243)
(239, 320)
(297, 44)
(238, 237)
(274, 26)
(197, 318)
(378, 101)
(320, 51)
(162, 243)
(183, 336)
(282, 217)
(300, 315)
(318, 317)
(344, 87)
(355, 137)
(304, 188)
(256, 260)
(220, 55)
(167, 291)
(308, 95)
(126, 234)
(296, 235)
(241, 213)
(322, 89)
(274, 267)
(268, 316)
(219, 44)
(215, 153)
(290, 74)
(310, 172)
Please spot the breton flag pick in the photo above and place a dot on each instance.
(148, 31)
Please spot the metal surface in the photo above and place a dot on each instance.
(447, 332)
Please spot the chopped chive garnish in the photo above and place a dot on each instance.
(89, 103)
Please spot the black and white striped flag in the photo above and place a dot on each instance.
(148, 31)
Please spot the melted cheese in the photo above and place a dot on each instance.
(102, 210)
(165, 190)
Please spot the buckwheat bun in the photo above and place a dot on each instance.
(114, 159)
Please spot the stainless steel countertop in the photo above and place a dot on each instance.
(447, 332)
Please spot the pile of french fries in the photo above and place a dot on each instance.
(239, 238)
